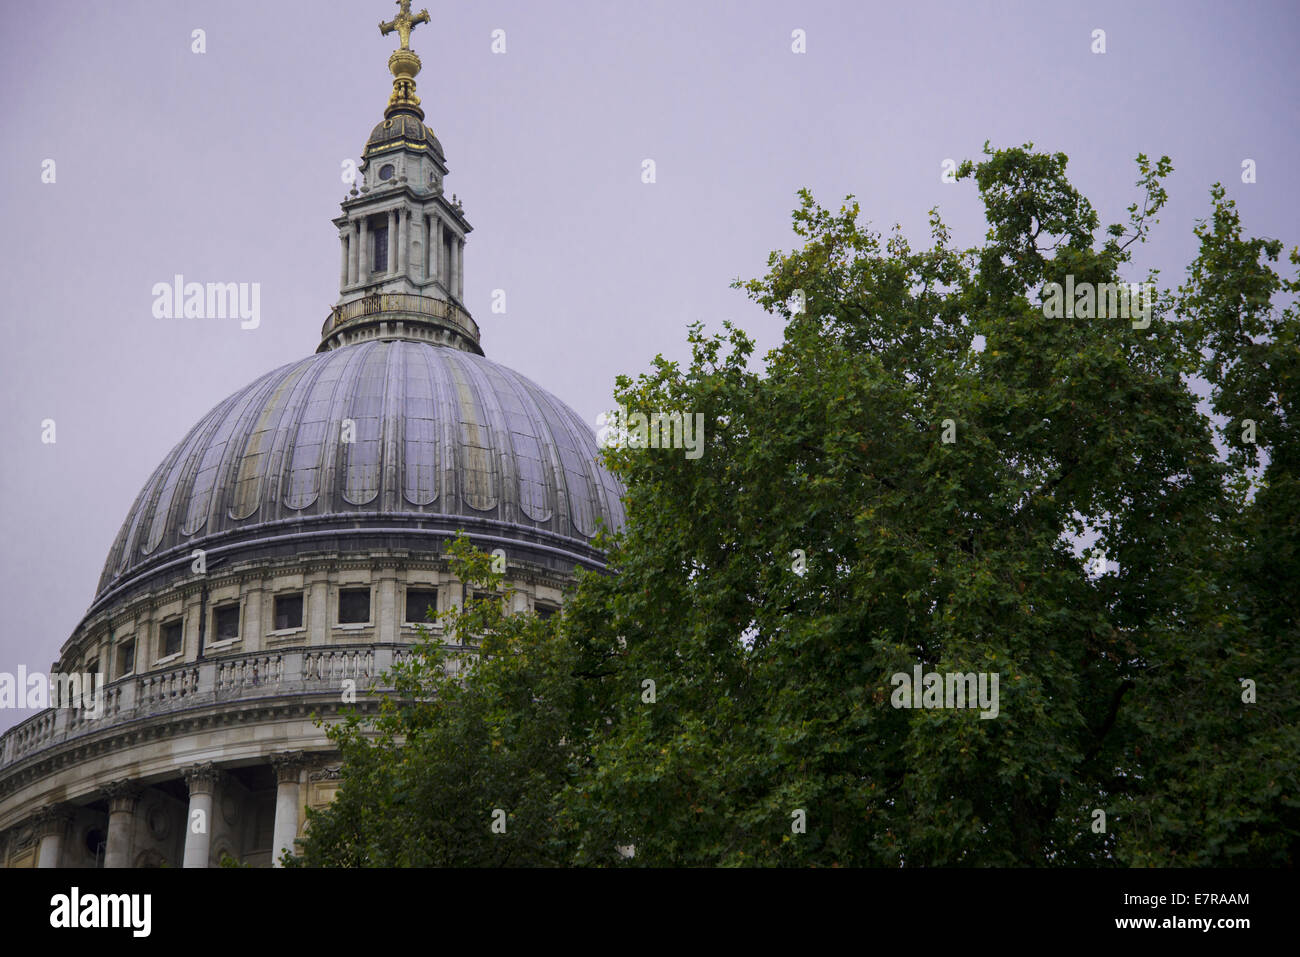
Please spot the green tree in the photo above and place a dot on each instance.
(924, 473)
(465, 761)
(1118, 691)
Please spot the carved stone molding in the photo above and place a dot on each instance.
(229, 807)
(150, 858)
(23, 836)
(202, 778)
(331, 773)
(122, 796)
(159, 822)
(288, 765)
(53, 819)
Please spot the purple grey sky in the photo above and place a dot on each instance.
(226, 167)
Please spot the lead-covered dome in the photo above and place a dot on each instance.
(405, 130)
(385, 434)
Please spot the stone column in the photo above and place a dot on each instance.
(363, 253)
(426, 232)
(252, 628)
(403, 239)
(387, 619)
(354, 247)
(288, 802)
(344, 267)
(459, 245)
(51, 826)
(427, 225)
(202, 781)
(123, 796)
(453, 267)
(439, 270)
(392, 241)
(317, 621)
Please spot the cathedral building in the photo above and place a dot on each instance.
(289, 544)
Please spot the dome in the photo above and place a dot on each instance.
(441, 439)
(402, 129)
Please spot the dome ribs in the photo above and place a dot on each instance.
(444, 439)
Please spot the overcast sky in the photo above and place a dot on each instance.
(226, 166)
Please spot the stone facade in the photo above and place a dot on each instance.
(195, 759)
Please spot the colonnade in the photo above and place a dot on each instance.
(52, 823)
(441, 251)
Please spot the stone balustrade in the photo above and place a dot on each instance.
(287, 672)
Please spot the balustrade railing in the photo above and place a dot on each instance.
(194, 684)
(397, 303)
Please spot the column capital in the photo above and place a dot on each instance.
(201, 778)
(122, 796)
(52, 819)
(288, 765)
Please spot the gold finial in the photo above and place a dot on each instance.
(404, 64)
(404, 23)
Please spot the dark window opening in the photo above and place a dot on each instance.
(419, 599)
(227, 622)
(171, 639)
(381, 250)
(126, 658)
(95, 840)
(354, 606)
(544, 610)
(386, 171)
(288, 611)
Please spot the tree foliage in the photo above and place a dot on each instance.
(829, 537)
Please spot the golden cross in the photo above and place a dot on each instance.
(404, 23)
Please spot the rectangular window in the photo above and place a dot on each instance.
(417, 600)
(381, 250)
(354, 606)
(544, 610)
(288, 611)
(226, 622)
(171, 638)
(126, 658)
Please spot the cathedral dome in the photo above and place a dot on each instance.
(394, 436)
(290, 551)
